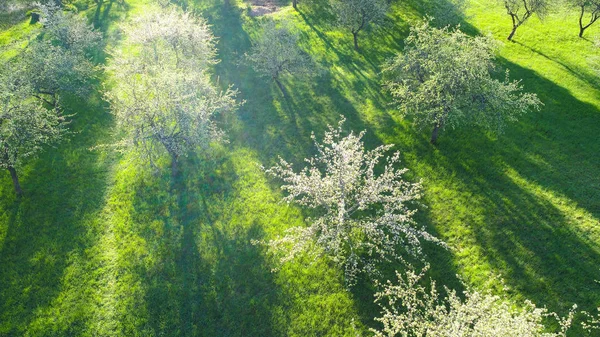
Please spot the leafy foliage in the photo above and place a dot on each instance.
(162, 94)
(362, 217)
(25, 124)
(276, 51)
(409, 308)
(357, 15)
(31, 83)
(58, 62)
(444, 78)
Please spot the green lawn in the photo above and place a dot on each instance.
(103, 246)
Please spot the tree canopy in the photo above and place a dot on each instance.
(276, 52)
(162, 93)
(357, 15)
(361, 217)
(445, 78)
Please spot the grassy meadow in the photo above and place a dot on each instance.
(101, 245)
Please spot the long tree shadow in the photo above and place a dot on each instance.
(532, 196)
(275, 125)
(46, 236)
(577, 71)
(48, 229)
(207, 278)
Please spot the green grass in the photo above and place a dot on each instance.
(101, 246)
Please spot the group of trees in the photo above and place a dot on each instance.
(161, 91)
(166, 103)
(55, 63)
(522, 10)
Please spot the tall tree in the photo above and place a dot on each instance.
(54, 63)
(357, 15)
(162, 93)
(360, 217)
(26, 126)
(521, 10)
(276, 52)
(589, 8)
(444, 78)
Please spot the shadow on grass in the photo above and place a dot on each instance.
(577, 71)
(273, 125)
(206, 278)
(517, 196)
(47, 229)
(47, 234)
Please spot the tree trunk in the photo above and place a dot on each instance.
(355, 35)
(435, 133)
(96, 20)
(35, 18)
(295, 4)
(174, 165)
(581, 27)
(281, 87)
(512, 33)
(15, 179)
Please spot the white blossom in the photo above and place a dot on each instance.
(409, 309)
(161, 91)
(362, 217)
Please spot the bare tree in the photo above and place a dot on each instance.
(521, 10)
(589, 8)
(357, 15)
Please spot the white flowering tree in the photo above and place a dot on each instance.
(54, 63)
(408, 308)
(161, 92)
(26, 126)
(360, 217)
(522, 10)
(59, 62)
(357, 15)
(444, 78)
(276, 52)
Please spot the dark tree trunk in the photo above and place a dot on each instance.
(96, 20)
(581, 27)
(512, 33)
(174, 165)
(281, 87)
(15, 179)
(295, 4)
(435, 133)
(355, 35)
(35, 18)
